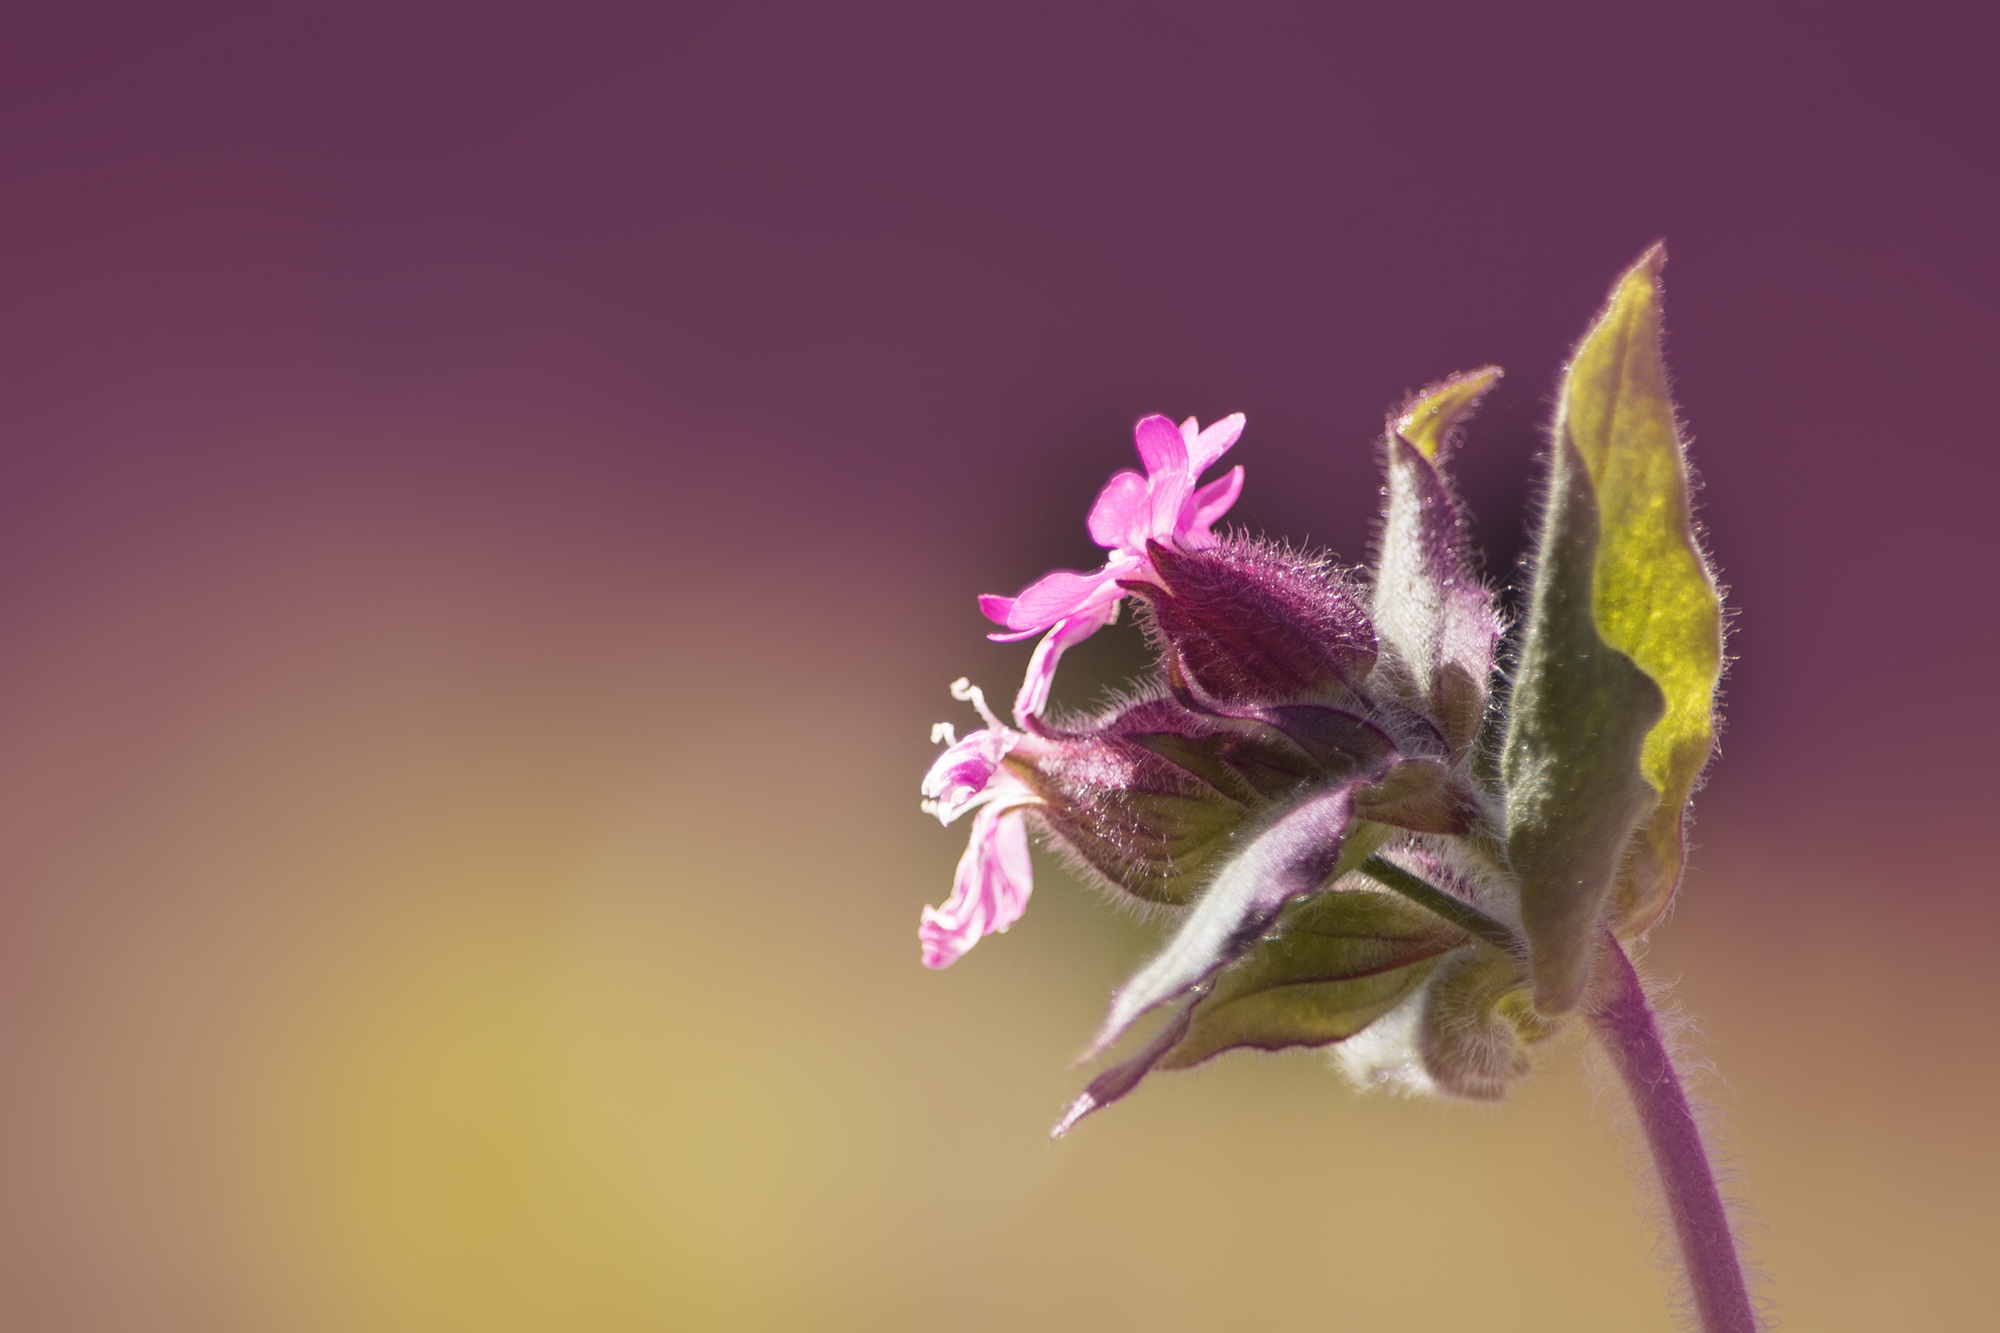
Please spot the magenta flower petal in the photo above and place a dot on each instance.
(962, 772)
(1161, 447)
(1168, 477)
(1034, 695)
(989, 892)
(1205, 447)
(1131, 513)
(1121, 511)
(1205, 506)
(1045, 601)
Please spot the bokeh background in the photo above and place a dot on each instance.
(490, 502)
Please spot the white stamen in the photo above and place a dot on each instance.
(943, 733)
(965, 691)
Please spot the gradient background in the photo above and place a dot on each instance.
(489, 506)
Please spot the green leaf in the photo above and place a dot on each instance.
(1333, 964)
(1613, 707)
(1432, 612)
(1296, 855)
(1429, 421)
(1655, 597)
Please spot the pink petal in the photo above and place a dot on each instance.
(1050, 598)
(1161, 447)
(1034, 695)
(963, 771)
(1213, 443)
(989, 892)
(1000, 609)
(1205, 506)
(1170, 493)
(1121, 509)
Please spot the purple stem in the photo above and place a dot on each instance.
(1624, 1023)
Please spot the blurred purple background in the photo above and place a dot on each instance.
(489, 503)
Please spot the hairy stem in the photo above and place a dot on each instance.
(1447, 905)
(1624, 1023)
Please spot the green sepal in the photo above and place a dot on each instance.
(1330, 966)
(1613, 707)
(1160, 847)
(1477, 1024)
(1334, 964)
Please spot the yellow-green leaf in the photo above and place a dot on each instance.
(1429, 419)
(1655, 597)
(1336, 963)
(1613, 708)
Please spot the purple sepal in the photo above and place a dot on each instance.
(1436, 619)
(1341, 744)
(1295, 856)
(1249, 622)
(1147, 825)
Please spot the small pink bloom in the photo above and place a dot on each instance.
(989, 892)
(1165, 505)
(994, 876)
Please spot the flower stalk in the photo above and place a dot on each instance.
(1452, 908)
(1623, 1022)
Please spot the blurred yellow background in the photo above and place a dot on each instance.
(426, 937)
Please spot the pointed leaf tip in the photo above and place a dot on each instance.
(1433, 615)
(1430, 417)
(1655, 597)
(1078, 1109)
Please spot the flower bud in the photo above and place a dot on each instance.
(1249, 622)
(1139, 821)
(1436, 619)
(1469, 1040)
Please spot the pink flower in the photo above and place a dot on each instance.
(1163, 506)
(994, 876)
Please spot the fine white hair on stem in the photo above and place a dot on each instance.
(1705, 1090)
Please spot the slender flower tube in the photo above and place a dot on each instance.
(1166, 505)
